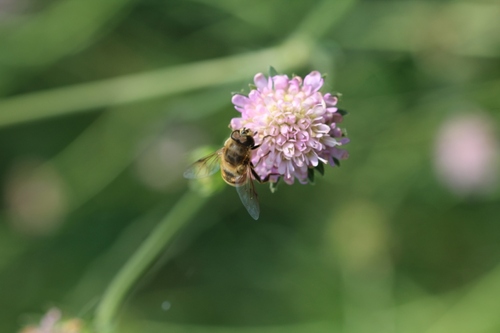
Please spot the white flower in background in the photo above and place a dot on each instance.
(467, 154)
(35, 197)
(52, 322)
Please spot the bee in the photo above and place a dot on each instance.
(234, 161)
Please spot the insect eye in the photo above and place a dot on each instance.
(235, 135)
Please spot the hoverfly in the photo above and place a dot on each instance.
(234, 161)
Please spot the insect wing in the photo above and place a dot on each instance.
(248, 196)
(204, 167)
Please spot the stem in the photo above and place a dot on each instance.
(294, 52)
(147, 85)
(149, 250)
(322, 18)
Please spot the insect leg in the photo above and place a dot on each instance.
(257, 146)
(260, 159)
(260, 180)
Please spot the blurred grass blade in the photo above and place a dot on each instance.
(66, 25)
(463, 28)
(148, 85)
(294, 52)
(323, 17)
(96, 157)
(145, 255)
(476, 310)
(299, 327)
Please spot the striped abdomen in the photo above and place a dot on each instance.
(235, 161)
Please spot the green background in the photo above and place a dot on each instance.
(103, 102)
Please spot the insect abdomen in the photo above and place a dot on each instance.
(236, 155)
(235, 163)
(232, 177)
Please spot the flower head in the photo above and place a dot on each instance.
(296, 126)
(52, 322)
(467, 154)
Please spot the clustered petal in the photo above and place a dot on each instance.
(296, 125)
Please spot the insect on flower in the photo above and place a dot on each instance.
(234, 161)
(295, 127)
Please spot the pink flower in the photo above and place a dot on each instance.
(52, 323)
(467, 154)
(296, 126)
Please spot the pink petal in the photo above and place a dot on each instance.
(329, 141)
(307, 90)
(284, 129)
(303, 136)
(294, 87)
(280, 82)
(330, 100)
(316, 111)
(289, 179)
(269, 159)
(255, 96)
(294, 129)
(314, 80)
(344, 141)
(314, 144)
(301, 146)
(299, 160)
(288, 150)
(280, 140)
(272, 130)
(290, 118)
(313, 158)
(240, 100)
(260, 81)
(321, 128)
(236, 123)
(304, 123)
(279, 95)
(282, 168)
(260, 110)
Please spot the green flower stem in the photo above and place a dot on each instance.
(294, 52)
(322, 18)
(149, 250)
(152, 84)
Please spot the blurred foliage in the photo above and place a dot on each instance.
(101, 103)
